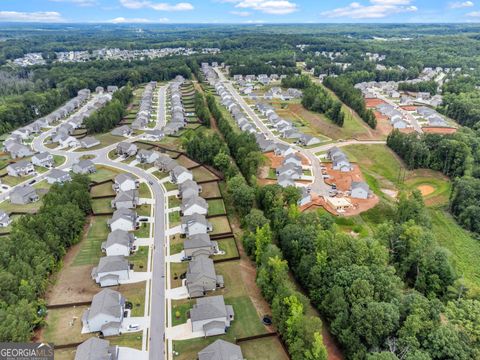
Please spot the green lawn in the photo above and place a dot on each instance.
(176, 244)
(144, 191)
(104, 173)
(15, 180)
(271, 174)
(58, 160)
(220, 225)
(131, 340)
(229, 247)
(210, 190)
(105, 139)
(139, 259)
(160, 174)
(144, 210)
(216, 207)
(102, 190)
(464, 249)
(177, 269)
(173, 201)
(174, 218)
(102, 206)
(90, 249)
(170, 186)
(269, 348)
(135, 293)
(203, 174)
(180, 309)
(143, 231)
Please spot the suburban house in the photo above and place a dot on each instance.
(123, 219)
(105, 314)
(4, 219)
(290, 169)
(153, 135)
(264, 144)
(88, 142)
(165, 163)
(199, 244)
(58, 176)
(194, 205)
(308, 140)
(201, 276)
(147, 156)
(66, 140)
(84, 167)
(283, 150)
(293, 159)
(21, 168)
(339, 160)
(96, 349)
(188, 189)
(125, 182)
(359, 190)
(195, 224)
(23, 195)
(305, 197)
(43, 159)
(119, 242)
(111, 270)
(285, 180)
(291, 134)
(126, 200)
(220, 350)
(126, 149)
(211, 315)
(17, 150)
(179, 174)
(123, 130)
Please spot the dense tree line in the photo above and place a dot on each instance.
(352, 97)
(455, 155)
(297, 81)
(109, 116)
(357, 284)
(422, 86)
(33, 251)
(316, 98)
(243, 147)
(201, 108)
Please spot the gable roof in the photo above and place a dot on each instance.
(208, 308)
(112, 263)
(108, 302)
(221, 350)
(119, 237)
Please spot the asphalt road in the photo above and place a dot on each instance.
(157, 292)
(318, 186)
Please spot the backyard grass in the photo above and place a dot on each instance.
(102, 206)
(144, 191)
(90, 249)
(216, 207)
(269, 348)
(143, 231)
(220, 225)
(174, 218)
(185, 161)
(229, 247)
(464, 249)
(139, 259)
(203, 174)
(102, 190)
(210, 190)
(135, 293)
(64, 325)
(104, 173)
(272, 174)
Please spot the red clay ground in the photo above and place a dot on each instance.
(409, 107)
(439, 130)
(373, 102)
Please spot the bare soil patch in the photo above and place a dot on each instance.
(439, 130)
(426, 189)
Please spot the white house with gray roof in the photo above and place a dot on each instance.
(96, 349)
(308, 140)
(165, 163)
(211, 315)
(194, 205)
(339, 160)
(126, 200)
(147, 156)
(56, 176)
(153, 135)
(43, 159)
(105, 314)
(23, 195)
(123, 219)
(123, 130)
(4, 219)
(220, 350)
(119, 242)
(359, 190)
(201, 276)
(195, 224)
(199, 244)
(84, 167)
(125, 182)
(17, 151)
(111, 270)
(126, 149)
(21, 168)
(88, 142)
(188, 189)
(179, 174)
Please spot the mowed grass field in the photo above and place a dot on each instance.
(383, 169)
(90, 250)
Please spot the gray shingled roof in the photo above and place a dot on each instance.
(209, 308)
(108, 302)
(221, 350)
(197, 241)
(112, 263)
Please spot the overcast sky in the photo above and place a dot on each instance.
(239, 11)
